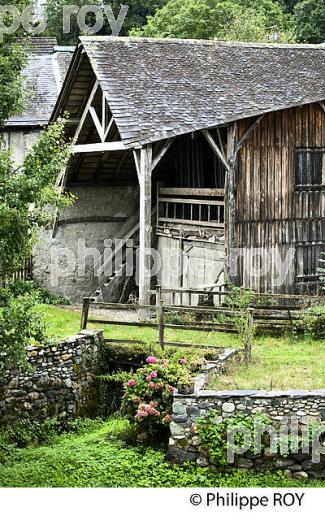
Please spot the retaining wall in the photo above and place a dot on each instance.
(60, 381)
(283, 408)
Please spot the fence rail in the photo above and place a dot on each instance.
(266, 319)
(23, 273)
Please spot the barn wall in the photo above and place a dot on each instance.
(270, 211)
(98, 215)
(19, 141)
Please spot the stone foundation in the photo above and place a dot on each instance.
(60, 381)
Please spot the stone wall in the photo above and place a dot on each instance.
(65, 264)
(60, 381)
(282, 407)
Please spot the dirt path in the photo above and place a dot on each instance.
(108, 314)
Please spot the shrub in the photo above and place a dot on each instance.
(147, 401)
(18, 288)
(314, 321)
(19, 325)
(214, 433)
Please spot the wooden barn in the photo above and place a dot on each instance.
(211, 153)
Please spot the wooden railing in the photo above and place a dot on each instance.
(271, 314)
(203, 207)
(25, 272)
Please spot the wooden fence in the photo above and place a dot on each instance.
(24, 273)
(285, 313)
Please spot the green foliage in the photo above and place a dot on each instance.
(26, 195)
(240, 301)
(20, 324)
(18, 288)
(137, 15)
(243, 20)
(139, 10)
(13, 56)
(148, 396)
(309, 20)
(101, 457)
(214, 433)
(314, 321)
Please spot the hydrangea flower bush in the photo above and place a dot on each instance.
(147, 400)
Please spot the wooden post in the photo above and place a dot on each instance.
(249, 344)
(161, 323)
(144, 258)
(230, 204)
(84, 313)
(158, 296)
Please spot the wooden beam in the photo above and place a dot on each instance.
(230, 204)
(216, 149)
(144, 165)
(85, 112)
(163, 151)
(246, 135)
(109, 126)
(98, 125)
(99, 147)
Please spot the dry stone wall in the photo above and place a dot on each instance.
(284, 408)
(60, 381)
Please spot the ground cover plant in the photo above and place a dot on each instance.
(103, 454)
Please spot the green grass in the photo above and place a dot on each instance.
(64, 322)
(100, 457)
(279, 364)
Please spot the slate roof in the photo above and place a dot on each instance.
(44, 73)
(161, 88)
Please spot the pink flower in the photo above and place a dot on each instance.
(171, 389)
(131, 383)
(148, 378)
(151, 385)
(182, 361)
(168, 419)
(153, 375)
(151, 360)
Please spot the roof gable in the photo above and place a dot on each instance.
(162, 88)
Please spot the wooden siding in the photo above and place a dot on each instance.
(270, 210)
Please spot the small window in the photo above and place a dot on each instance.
(310, 167)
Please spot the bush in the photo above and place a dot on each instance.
(147, 401)
(214, 432)
(314, 321)
(19, 325)
(18, 288)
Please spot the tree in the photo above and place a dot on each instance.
(244, 20)
(27, 193)
(309, 20)
(13, 57)
(139, 10)
(137, 15)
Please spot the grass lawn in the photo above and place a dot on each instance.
(63, 322)
(278, 363)
(99, 456)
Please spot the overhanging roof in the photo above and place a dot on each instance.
(162, 88)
